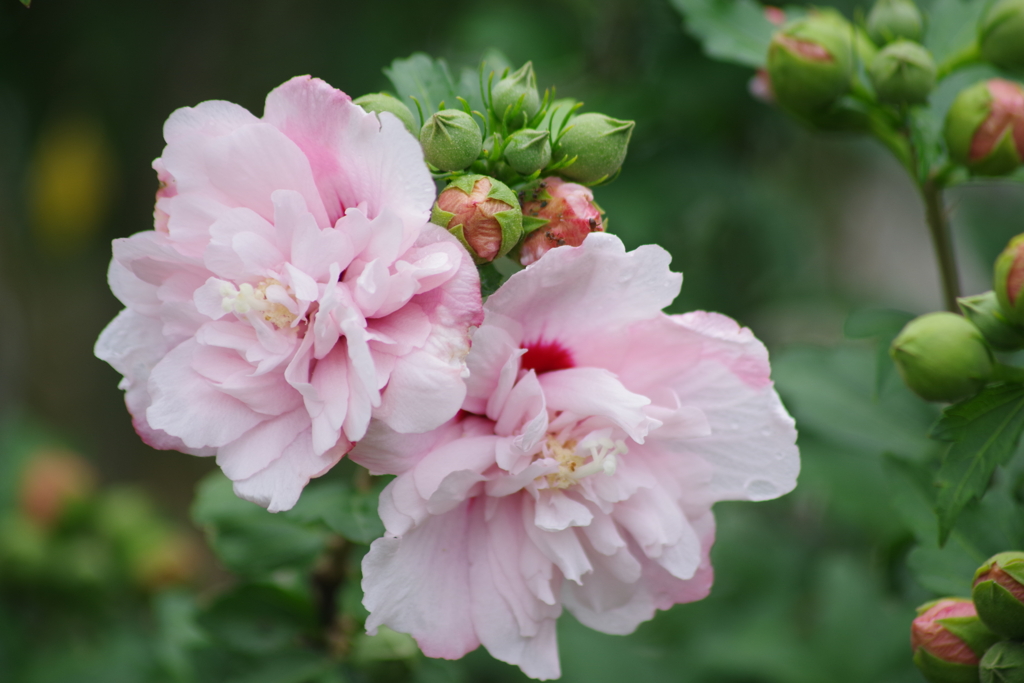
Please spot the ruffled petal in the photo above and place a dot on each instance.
(356, 158)
(417, 585)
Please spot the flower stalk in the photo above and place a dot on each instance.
(942, 241)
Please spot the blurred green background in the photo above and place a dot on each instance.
(787, 231)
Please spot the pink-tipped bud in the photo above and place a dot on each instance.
(483, 213)
(555, 214)
(52, 480)
(999, 594)
(985, 127)
(1009, 280)
(927, 631)
(1007, 112)
(948, 640)
(1000, 576)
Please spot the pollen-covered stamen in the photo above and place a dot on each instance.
(572, 458)
(248, 298)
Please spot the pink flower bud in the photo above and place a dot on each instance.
(52, 480)
(567, 212)
(484, 212)
(1009, 280)
(998, 594)
(1006, 113)
(929, 633)
(1000, 576)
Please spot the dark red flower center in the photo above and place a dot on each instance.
(546, 356)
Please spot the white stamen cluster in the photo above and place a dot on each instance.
(247, 298)
(572, 458)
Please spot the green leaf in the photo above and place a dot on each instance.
(291, 667)
(425, 79)
(344, 510)
(26, 3)
(249, 540)
(178, 633)
(984, 431)
(258, 618)
(952, 26)
(734, 31)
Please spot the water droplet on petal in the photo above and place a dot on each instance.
(760, 489)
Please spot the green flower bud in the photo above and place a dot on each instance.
(517, 96)
(891, 20)
(599, 144)
(942, 357)
(378, 102)
(483, 213)
(984, 311)
(810, 63)
(1001, 34)
(985, 127)
(948, 641)
(528, 151)
(451, 140)
(999, 594)
(1003, 663)
(903, 72)
(1009, 280)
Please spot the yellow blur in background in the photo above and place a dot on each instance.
(71, 184)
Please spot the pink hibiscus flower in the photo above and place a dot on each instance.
(293, 289)
(596, 434)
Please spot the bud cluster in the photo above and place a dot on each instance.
(519, 172)
(813, 63)
(517, 138)
(947, 357)
(976, 639)
(817, 63)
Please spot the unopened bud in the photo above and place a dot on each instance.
(903, 72)
(810, 62)
(451, 140)
(1009, 280)
(560, 214)
(891, 20)
(942, 357)
(599, 144)
(528, 151)
(984, 311)
(52, 480)
(948, 640)
(985, 127)
(1003, 663)
(516, 97)
(999, 594)
(1001, 34)
(483, 213)
(379, 102)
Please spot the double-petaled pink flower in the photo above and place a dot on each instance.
(596, 434)
(293, 289)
